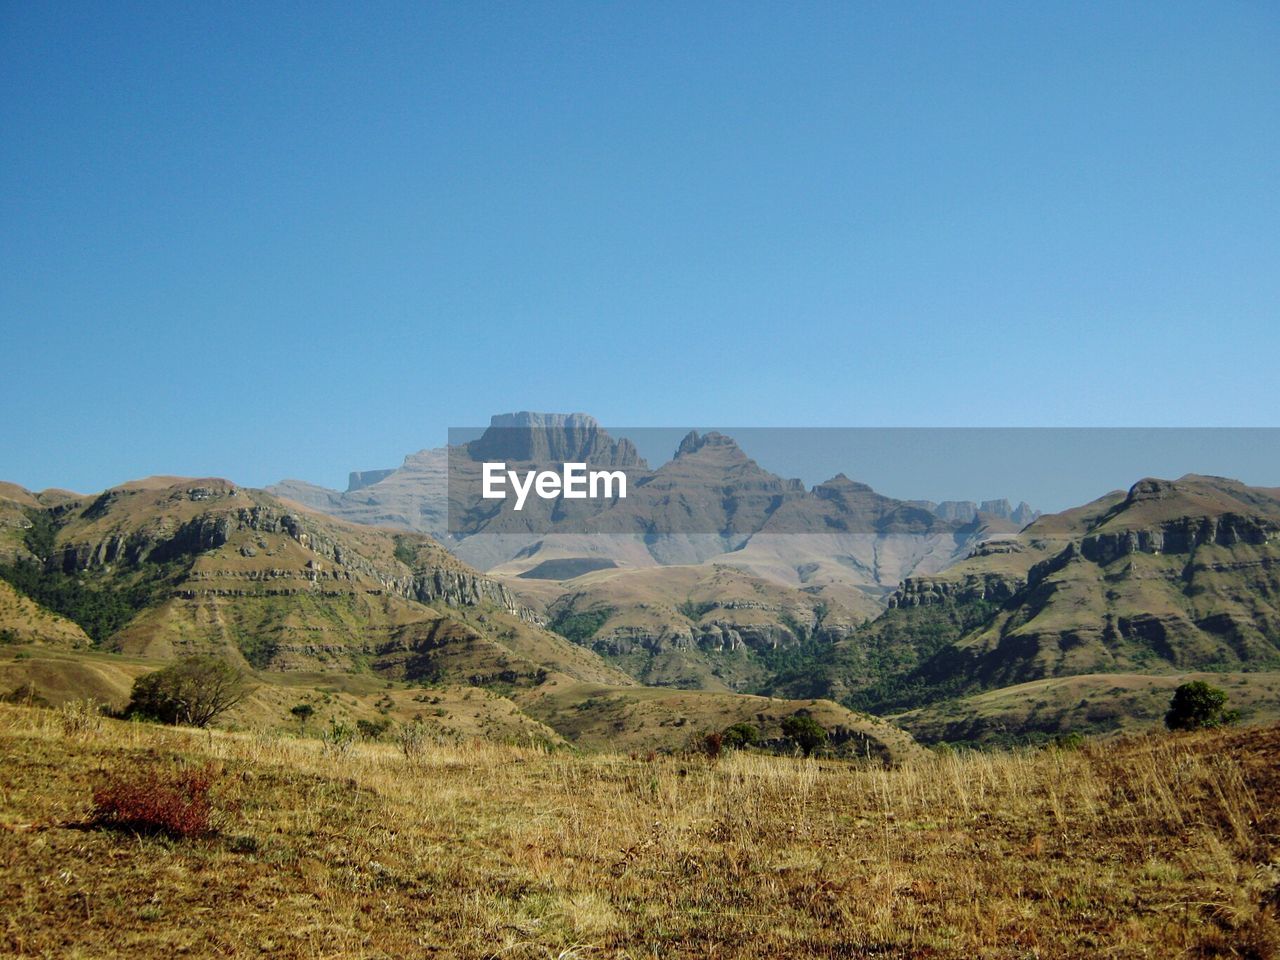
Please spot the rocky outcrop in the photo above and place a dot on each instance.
(720, 634)
(622, 640)
(461, 589)
(155, 545)
(925, 591)
(727, 635)
(552, 438)
(359, 479)
(1179, 536)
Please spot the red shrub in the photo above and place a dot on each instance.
(176, 804)
(713, 744)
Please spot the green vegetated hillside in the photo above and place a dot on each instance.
(703, 626)
(1085, 621)
(359, 622)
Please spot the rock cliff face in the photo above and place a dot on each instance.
(1183, 535)
(923, 591)
(359, 479)
(326, 557)
(1175, 575)
(552, 438)
(967, 511)
(714, 634)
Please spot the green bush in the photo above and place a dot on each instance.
(1068, 741)
(807, 733)
(372, 729)
(740, 735)
(303, 711)
(338, 738)
(580, 627)
(1198, 706)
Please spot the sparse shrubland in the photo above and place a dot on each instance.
(1157, 846)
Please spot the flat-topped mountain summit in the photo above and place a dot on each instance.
(552, 438)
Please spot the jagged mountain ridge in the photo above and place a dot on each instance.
(709, 499)
(840, 547)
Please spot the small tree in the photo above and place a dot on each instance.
(304, 712)
(1197, 706)
(740, 735)
(807, 733)
(195, 691)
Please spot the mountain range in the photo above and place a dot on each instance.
(947, 622)
(100, 588)
(815, 562)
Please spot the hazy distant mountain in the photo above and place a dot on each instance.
(552, 438)
(413, 496)
(967, 511)
(710, 498)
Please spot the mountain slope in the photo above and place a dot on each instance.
(190, 565)
(1179, 575)
(1168, 578)
(308, 605)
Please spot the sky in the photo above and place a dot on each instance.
(274, 240)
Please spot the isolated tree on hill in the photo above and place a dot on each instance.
(807, 732)
(1197, 706)
(303, 711)
(195, 691)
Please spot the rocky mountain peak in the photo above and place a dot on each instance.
(552, 438)
(694, 442)
(1151, 488)
(839, 485)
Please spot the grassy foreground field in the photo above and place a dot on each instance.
(1163, 846)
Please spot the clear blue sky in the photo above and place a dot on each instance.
(267, 240)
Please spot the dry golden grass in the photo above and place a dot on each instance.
(1156, 847)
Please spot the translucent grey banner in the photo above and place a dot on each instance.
(530, 475)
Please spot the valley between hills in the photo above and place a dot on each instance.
(892, 623)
